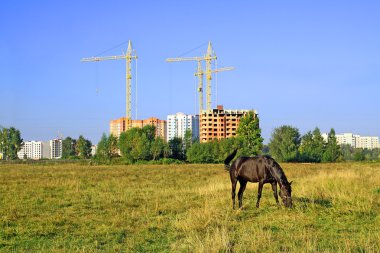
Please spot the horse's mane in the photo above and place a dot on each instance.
(276, 171)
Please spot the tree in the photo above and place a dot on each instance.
(211, 152)
(103, 149)
(359, 154)
(249, 133)
(135, 144)
(68, 148)
(176, 148)
(332, 151)
(312, 146)
(158, 148)
(4, 143)
(187, 140)
(347, 152)
(306, 148)
(127, 143)
(83, 148)
(113, 145)
(15, 142)
(284, 143)
(10, 142)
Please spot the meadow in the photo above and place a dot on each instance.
(185, 208)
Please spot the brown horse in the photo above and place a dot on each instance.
(261, 169)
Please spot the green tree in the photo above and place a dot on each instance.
(83, 148)
(359, 154)
(4, 143)
(211, 152)
(187, 139)
(68, 148)
(347, 152)
(375, 153)
(176, 148)
(10, 142)
(284, 143)
(127, 143)
(158, 148)
(15, 142)
(113, 145)
(102, 151)
(332, 151)
(306, 148)
(249, 133)
(135, 144)
(312, 147)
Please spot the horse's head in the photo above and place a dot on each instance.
(286, 194)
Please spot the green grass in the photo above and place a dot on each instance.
(185, 208)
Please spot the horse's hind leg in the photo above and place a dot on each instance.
(274, 188)
(260, 190)
(233, 192)
(243, 184)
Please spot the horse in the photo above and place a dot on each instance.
(262, 169)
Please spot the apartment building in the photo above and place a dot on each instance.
(55, 149)
(41, 149)
(219, 123)
(356, 141)
(31, 150)
(179, 123)
(120, 125)
(369, 142)
(346, 138)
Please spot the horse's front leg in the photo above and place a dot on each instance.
(259, 193)
(274, 188)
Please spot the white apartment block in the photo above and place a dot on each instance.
(178, 123)
(346, 138)
(369, 142)
(55, 149)
(356, 141)
(37, 150)
(31, 150)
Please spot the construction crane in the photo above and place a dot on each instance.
(208, 58)
(129, 56)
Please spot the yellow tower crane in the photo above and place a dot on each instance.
(129, 56)
(208, 58)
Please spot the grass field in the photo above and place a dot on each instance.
(185, 208)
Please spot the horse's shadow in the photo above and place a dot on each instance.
(323, 202)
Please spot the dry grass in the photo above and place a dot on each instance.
(185, 208)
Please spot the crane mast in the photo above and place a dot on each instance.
(128, 57)
(207, 58)
(210, 55)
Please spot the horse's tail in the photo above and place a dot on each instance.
(229, 159)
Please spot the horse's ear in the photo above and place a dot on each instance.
(290, 182)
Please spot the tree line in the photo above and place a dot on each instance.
(287, 145)
(141, 144)
(76, 148)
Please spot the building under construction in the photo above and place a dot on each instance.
(217, 124)
(123, 124)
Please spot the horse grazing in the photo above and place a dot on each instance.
(261, 169)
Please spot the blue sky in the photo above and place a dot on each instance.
(300, 63)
